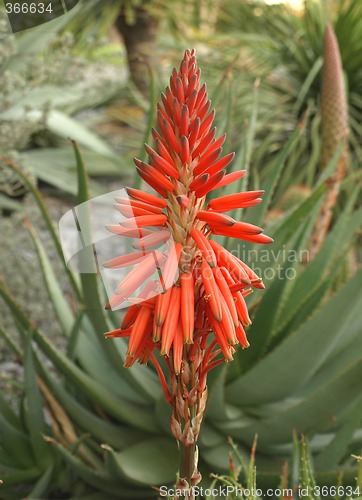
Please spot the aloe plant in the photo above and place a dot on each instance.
(284, 50)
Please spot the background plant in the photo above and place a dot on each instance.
(41, 89)
(285, 52)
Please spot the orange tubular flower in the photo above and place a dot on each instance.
(196, 314)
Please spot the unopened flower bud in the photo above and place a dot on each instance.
(176, 427)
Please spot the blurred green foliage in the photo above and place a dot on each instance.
(42, 84)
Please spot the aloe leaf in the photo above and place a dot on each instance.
(163, 412)
(210, 436)
(65, 126)
(16, 311)
(139, 384)
(350, 332)
(216, 394)
(8, 463)
(8, 339)
(88, 280)
(55, 173)
(88, 456)
(60, 179)
(136, 415)
(279, 288)
(261, 329)
(16, 478)
(311, 76)
(42, 486)
(158, 472)
(72, 345)
(34, 410)
(95, 362)
(16, 444)
(251, 130)
(218, 459)
(8, 414)
(287, 233)
(331, 166)
(315, 144)
(344, 354)
(330, 456)
(303, 414)
(257, 214)
(215, 94)
(306, 310)
(317, 278)
(242, 160)
(101, 480)
(227, 119)
(292, 174)
(295, 461)
(113, 467)
(117, 436)
(266, 382)
(289, 261)
(143, 379)
(64, 313)
(245, 152)
(49, 160)
(307, 478)
(287, 227)
(332, 249)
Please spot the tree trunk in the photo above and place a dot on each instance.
(139, 39)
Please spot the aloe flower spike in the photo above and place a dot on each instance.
(195, 315)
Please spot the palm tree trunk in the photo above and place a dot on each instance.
(139, 38)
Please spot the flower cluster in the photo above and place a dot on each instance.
(196, 312)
